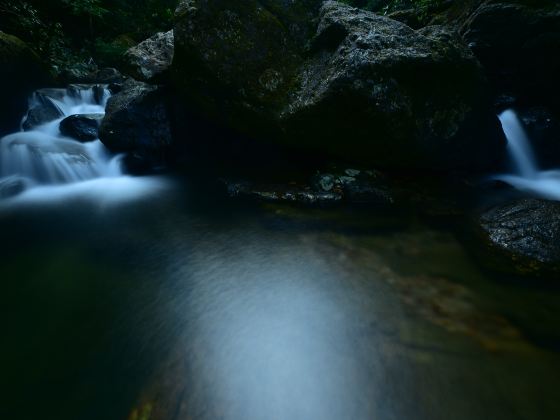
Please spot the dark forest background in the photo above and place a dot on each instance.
(84, 33)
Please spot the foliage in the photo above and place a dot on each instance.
(86, 7)
(73, 31)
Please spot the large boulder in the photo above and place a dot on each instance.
(336, 79)
(518, 42)
(137, 121)
(237, 61)
(82, 127)
(151, 59)
(523, 237)
(375, 89)
(21, 71)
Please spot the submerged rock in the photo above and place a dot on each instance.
(523, 237)
(82, 127)
(152, 58)
(137, 120)
(336, 79)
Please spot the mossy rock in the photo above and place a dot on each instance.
(331, 79)
(21, 72)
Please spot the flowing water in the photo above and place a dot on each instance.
(42, 163)
(526, 176)
(167, 303)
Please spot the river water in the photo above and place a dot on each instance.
(185, 308)
(170, 303)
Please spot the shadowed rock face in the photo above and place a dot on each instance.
(237, 60)
(21, 71)
(523, 237)
(519, 45)
(336, 79)
(150, 60)
(136, 120)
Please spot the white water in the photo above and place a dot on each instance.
(42, 163)
(526, 175)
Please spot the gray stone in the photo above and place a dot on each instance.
(152, 58)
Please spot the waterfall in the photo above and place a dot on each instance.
(526, 174)
(43, 156)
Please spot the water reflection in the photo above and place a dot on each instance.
(271, 333)
(166, 309)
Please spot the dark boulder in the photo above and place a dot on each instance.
(137, 121)
(236, 61)
(151, 59)
(523, 237)
(377, 90)
(336, 79)
(82, 127)
(21, 71)
(519, 45)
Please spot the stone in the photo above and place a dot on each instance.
(82, 127)
(523, 237)
(137, 120)
(151, 59)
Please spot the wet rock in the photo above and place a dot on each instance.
(356, 186)
(523, 237)
(82, 127)
(519, 45)
(137, 120)
(21, 71)
(281, 193)
(152, 58)
(342, 81)
(43, 109)
(350, 186)
(362, 86)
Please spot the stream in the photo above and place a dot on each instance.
(145, 298)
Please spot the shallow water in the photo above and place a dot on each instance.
(169, 304)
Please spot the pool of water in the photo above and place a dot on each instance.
(176, 305)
